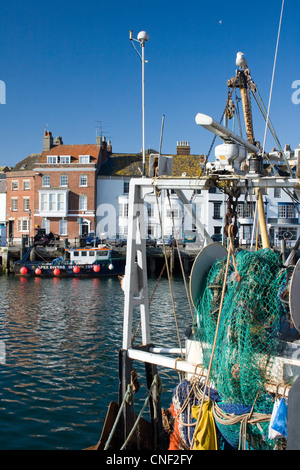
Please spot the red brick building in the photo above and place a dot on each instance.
(20, 195)
(55, 190)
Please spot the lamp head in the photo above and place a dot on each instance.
(143, 36)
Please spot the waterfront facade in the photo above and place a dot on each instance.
(168, 217)
(71, 190)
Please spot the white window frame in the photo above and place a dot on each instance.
(46, 181)
(84, 159)
(123, 209)
(61, 202)
(83, 180)
(52, 201)
(52, 159)
(14, 204)
(14, 185)
(44, 202)
(83, 199)
(65, 159)
(46, 225)
(26, 185)
(26, 201)
(63, 227)
(23, 225)
(63, 183)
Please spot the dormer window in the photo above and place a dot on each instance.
(84, 159)
(52, 159)
(65, 159)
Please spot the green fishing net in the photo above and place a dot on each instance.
(249, 330)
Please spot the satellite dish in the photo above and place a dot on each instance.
(295, 296)
(201, 266)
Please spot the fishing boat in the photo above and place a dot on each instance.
(97, 261)
(239, 364)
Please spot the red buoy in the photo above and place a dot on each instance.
(76, 269)
(38, 271)
(23, 270)
(56, 272)
(96, 268)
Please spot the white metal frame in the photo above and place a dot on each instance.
(135, 280)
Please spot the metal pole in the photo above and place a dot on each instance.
(143, 103)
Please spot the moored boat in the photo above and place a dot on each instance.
(97, 261)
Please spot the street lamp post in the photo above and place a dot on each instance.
(142, 37)
(29, 216)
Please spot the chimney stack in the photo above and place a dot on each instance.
(103, 150)
(58, 141)
(183, 148)
(47, 140)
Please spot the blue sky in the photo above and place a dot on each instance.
(67, 65)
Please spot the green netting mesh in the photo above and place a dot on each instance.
(249, 327)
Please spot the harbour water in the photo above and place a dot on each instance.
(61, 339)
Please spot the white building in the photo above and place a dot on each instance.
(210, 205)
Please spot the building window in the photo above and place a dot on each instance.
(44, 202)
(26, 203)
(277, 192)
(175, 209)
(245, 209)
(84, 158)
(60, 202)
(63, 227)
(52, 202)
(123, 209)
(82, 203)
(52, 159)
(46, 180)
(217, 210)
(126, 187)
(150, 210)
(83, 180)
(65, 159)
(14, 185)
(23, 225)
(26, 185)
(46, 225)
(151, 230)
(286, 211)
(246, 232)
(14, 204)
(63, 180)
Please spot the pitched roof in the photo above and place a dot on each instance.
(130, 165)
(27, 164)
(74, 150)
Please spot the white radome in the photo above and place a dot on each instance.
(143, 36)
(241, 61)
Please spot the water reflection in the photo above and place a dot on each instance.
(62, 338)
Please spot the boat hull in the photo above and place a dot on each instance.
(37, 269)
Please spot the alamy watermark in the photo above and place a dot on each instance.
(296, 94)
(2, 92)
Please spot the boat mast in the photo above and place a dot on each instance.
(241, 81)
